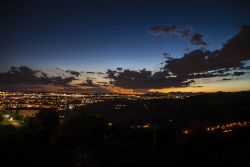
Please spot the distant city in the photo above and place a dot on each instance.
(62, 101)
(17, 106)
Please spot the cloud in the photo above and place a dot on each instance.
(74, 73)
(144, 79)
(196, 61)
(25, 75)
(89, 83)
(119, 68)
(169, 30)
(226, 79)
(197, 39)
(207, 75)
(232, 54)
(71, 72)
(26, 79)
(237, 48)
(166, 30)
(238, 73)
(199, 63)
(90, 72)
(184, 32)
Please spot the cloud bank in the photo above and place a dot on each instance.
(25, 75)
(200, 63)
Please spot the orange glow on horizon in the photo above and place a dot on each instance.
(210, 87)
(124, 91)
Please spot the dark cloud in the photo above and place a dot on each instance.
(238, 73)
(89, 82)
(200, 63)
(184, 31)
(144, 79)
(197, 39)
(61, 81)
(237, 48)
(169, 30)
(25, 75)
(59, 69)
(216, 73)
(90, 72)
(119, 68)
(75, 73)
(166, 30)
(207, 75)
(231, 55)
(196, 61)
(226, 79)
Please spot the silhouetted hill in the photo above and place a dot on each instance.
(222, 96)
(205, 109)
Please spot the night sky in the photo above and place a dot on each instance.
(57, 38)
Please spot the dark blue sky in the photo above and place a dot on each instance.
(97, 35)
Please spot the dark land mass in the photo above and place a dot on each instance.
(122, 132)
